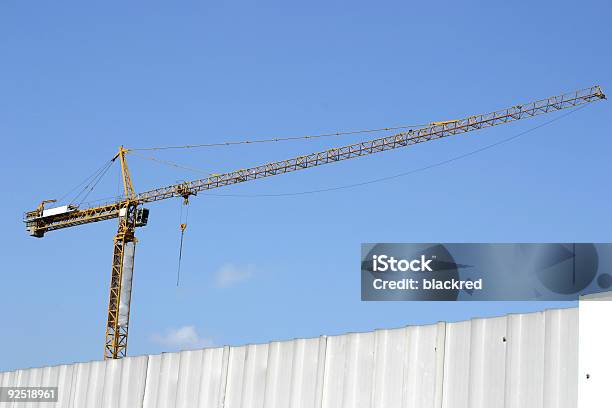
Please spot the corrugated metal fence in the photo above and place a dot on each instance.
(517, 361)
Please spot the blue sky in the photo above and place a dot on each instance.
(78, 80)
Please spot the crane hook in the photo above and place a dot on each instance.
(183, 227)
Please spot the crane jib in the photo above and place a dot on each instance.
(38, 222)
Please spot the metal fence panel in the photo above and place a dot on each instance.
(522, 360)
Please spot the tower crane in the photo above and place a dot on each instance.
(131, 213)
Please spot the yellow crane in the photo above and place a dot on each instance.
(131, 214)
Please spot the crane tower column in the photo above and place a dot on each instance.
(121, 285)
(130, 217)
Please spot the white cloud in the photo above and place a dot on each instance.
(183, 338)
(230, 274)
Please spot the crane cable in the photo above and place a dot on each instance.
(406, 173)
(367, 182)
(183, 227)
(93, 183)
(200, 171)
(277, 139)
(98, 173)
(378, 180)
(168, 163)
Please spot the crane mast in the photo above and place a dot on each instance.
(122, 270)
(131, 215)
